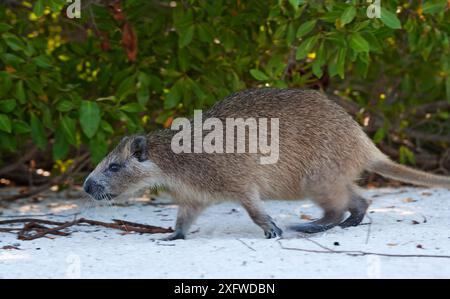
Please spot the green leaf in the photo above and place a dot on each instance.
(143, 92)
(61, 146)
(56, 5)
(106, 127)
(317, 69)
(348, 15)
(131, 107)
(8, 143)
(290, 36)
(305, 28)
(296, 3)
(143, 95)
(98, 146)
(186, 36)
(7, 105)
(38, 8)
(20, 92)
(390, 19)
(20, 127)
(433, 7)
(68, 127)
(259, 75)
(35, 85)
(379, 135)
(43, 62)
(38, 133)
(89, 117)
(14, 42)
(126, 87)
(340, 63)
(65, 106)
(4, 27)
(5, 83)
(174, 96)
(305, 47)
(406, 155)
(358, 43)
(5, 123)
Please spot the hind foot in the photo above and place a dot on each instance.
(329, 220)
(357, 208)
(352, 220)
(312, 227)
(273, 231)
(176, 235)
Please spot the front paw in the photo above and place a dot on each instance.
(174, 236)
(273, 231)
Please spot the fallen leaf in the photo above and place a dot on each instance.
(10, 247)
(409, 199)
(392, 244)
(305, 217)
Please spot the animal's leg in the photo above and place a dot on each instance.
(334, 204)
(357, 208)
(185, 217)
(253, 205)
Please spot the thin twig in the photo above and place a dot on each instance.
(246, 245)
(19, 162)
(26, 220)
(41, 231)
(39, 215)
(363, 253)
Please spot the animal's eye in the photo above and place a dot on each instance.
(114, 167)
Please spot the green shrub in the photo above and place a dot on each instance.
(72, 84)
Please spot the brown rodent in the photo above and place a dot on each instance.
(322, 151)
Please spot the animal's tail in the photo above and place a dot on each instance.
(384, 166)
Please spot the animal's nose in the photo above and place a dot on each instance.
(90, 186)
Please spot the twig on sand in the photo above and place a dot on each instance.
(246, 245)
(34, 228)
(40, 215)
(359, 253)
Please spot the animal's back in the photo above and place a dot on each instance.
(317, 138)
(322, 150)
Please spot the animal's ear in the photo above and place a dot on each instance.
(139, 148)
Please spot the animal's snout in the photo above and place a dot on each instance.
(92, 187)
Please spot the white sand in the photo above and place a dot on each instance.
(224, 243)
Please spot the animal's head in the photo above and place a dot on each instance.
(125, 169)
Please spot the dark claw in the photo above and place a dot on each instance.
(352, 220)
(174, 236)
(273, 232)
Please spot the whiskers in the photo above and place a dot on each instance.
(103, 201)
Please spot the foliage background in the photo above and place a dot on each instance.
(69, 88)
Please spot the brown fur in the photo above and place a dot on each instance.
(322, 152)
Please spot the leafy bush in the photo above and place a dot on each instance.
(71, 85)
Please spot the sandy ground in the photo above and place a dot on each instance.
(224, 243)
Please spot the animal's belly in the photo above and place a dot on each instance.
(281, 190)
